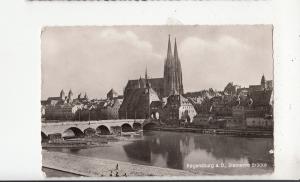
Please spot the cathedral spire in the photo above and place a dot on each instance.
(178, 71)
(176, 66)
(169, 54)
(139, 82)
(146, 73)
(175, 51)
(263, 81)
(147, 79)
(172, 72)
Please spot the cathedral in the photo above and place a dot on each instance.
(170, 84)
(172, 72)
(139, 93)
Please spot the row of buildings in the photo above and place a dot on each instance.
(164, 99)
(139, 96)
(81, 108)
(237, 107)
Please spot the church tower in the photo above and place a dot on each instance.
(178, 71)
(172, 72)
(70, 96)
(85, 96)
(263, 82)
(148, 84)
(62, 95)
(167, 70)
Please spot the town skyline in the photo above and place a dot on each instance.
(167, 74)
(96, 77)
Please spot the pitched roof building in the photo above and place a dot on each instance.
(111, 94)
(178, 108)
(136, 103)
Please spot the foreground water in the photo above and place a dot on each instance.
(217, 154)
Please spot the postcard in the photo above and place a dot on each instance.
(146, 101)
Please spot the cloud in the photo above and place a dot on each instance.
(225, 42)
(215, 62)
(95, 61)
(111, 36)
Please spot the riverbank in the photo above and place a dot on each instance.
(95, 167)
(230, 132)
(54, 173)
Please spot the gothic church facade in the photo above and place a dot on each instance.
(170, 84)
(139, 93)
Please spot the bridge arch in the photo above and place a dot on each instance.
(102, 130)
(150, 126)
(44, 137)
(89, 131)
(72, 132)
(137, 126)
(126, 127)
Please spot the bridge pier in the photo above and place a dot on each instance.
(101, 127)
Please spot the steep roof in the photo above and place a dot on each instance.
(202, 94)
(135, 98)
(101, 104)
(261, 98)
(44, 102)
(155, 82)
(255, 87)
(112, 92)
(53, 98)
(183, 100)
(131, 99)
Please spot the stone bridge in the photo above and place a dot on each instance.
(79, 128)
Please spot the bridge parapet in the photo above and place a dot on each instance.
(60, 127)
(96, 122)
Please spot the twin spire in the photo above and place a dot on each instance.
(172, 80)
(169, 54)
(172, 72)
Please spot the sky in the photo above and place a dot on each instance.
(94, 59)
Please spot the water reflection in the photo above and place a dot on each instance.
(74, 150)
(178, 149)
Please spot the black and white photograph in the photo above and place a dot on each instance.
(168, 100)
(149, 90)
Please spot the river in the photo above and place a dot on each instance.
(216, 154)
